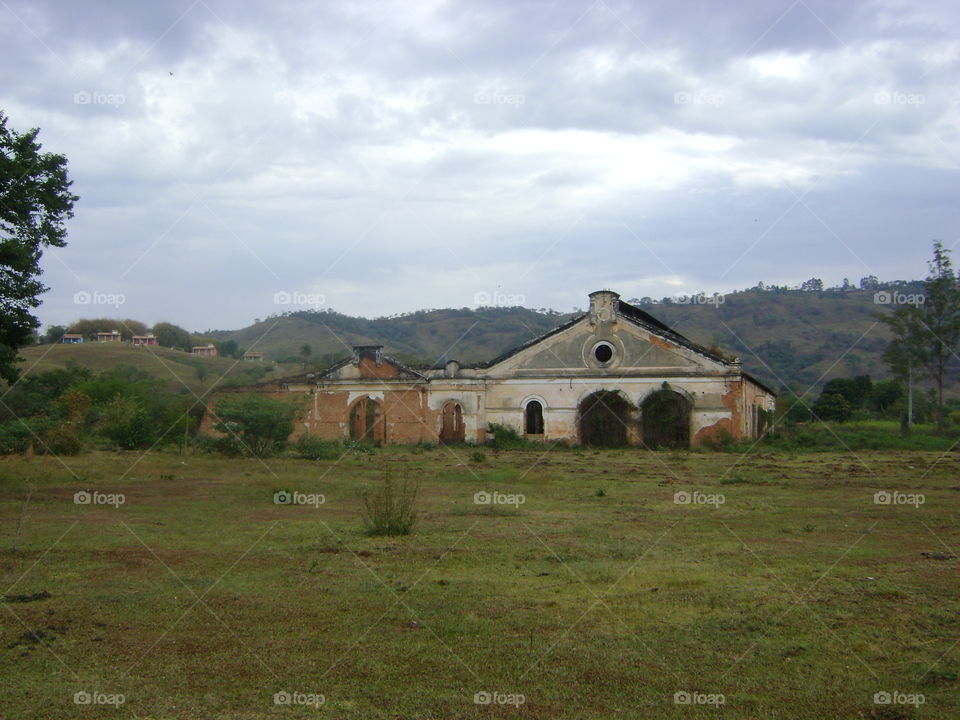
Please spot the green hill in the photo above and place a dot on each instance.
(177, 369)
(786, 337)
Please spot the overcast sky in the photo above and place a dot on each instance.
(237, 159)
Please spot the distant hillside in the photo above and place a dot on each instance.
(177, 369)
(791, 338)
(421, 338)
(786, 337)
(796, 338)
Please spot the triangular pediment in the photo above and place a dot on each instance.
(624, 341)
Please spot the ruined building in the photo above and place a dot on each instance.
(615, 375)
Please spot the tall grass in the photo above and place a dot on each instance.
(390, 510)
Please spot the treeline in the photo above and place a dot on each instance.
(69, 410)
(168, 335)
(814, 285)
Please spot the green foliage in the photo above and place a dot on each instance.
(172, 336)
(36, 203)
(259, 423)
(832, 406)
(390, 510)
(312, 447)
(477, 456)
(504, 437)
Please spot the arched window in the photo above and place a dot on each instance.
(534, 418)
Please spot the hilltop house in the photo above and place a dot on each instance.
(71, 339)
(612, 376)
(204, 350)
(109, 336)
(144, 340)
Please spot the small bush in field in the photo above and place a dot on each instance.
(312, 447)
(389, 510)
(477, 456)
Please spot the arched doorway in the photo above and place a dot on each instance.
(533, 418)
(604, 419)
(666, 420)
(451, 424)
(366, 421)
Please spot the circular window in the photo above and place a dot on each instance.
(603, 353)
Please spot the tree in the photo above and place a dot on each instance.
(812, 285)
(305, 352)
(229, 348)
(927, 331)
(170, 335)
(260, 423)
(54, 333)
(832, 406)
(35, 203)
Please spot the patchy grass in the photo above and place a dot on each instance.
(797, 596)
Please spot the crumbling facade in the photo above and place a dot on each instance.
(612, 376)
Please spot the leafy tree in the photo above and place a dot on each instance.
(229, 348)
(926, 334)
(170, 335)
(812, 285)
(884, 397)
(260, 423)
(54, 333)
(855, 390)
(35, 202)
(832, 406)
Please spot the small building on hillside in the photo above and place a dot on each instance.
(109, 336)
(71, 339)
(144, 340)
(612, 376)
(204, 350)
(253, 355)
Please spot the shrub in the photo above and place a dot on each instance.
(312, 447)
(477, 456)
(390, 509)
(262, 424)
(504, 437)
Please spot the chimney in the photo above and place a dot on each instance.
(603, 306)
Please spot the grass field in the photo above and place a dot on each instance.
(782, 589)
(175, 368)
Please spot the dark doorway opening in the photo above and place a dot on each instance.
(666, 420)
(534, 418)
(451, 426)
(604, 418)
(366, 421)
